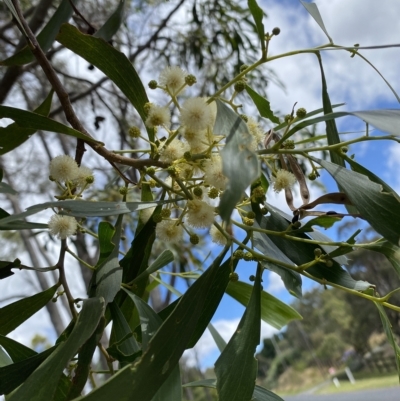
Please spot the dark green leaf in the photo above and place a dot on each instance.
(258, 15)
(235, 155)
(387, 327)
(263, 105)
(35, 121)
(11, 7)
(236, 367)
(17, 351)
(11, 316)
(111, 26)
(111, 62)
(380, 209)
(259, 394)
(5, 268)
(314, 12)
(46, 36)
(273, 311)
(42, 384)
(13, 135)
(15, 374)
(105, 233)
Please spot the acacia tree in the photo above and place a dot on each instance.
(201, 165)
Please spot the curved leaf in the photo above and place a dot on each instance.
(42, 384)
(314, 12)
(263, 105)
(11, 316)
(111, 26)
(258, 15)
(240, 165)
(236, 367)
(273, 311)
(111, 62)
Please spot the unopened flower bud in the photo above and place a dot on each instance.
(301, 112)
(190, 80)
(197, 191)
(213, 193)
(194, 239)
(233, 277)
(123, 190)
(276, 31)
(153, 84)
(165, 213)
(238, 254)
(240, 86)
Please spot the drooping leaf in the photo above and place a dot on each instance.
(157, 363)
(263, 105)
(314, 12)
(221, 344)
(236, 367)
(111, 26)
(15, 374)
(11, 316)
(259, 394)
(150, 322)
(387, 327)
(46, 37)
(34, 121)
(42, 383)
(240, 164)
(258, 15)
(380, 209)
(111, 62)
(13, 135)
(273, 311)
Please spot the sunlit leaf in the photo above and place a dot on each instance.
(263, 105)
(12, 315)
(321, 221)
(42, 383)
(236, 367)
(221, 344)
(273, 311)
(240, 164)
(314, 12)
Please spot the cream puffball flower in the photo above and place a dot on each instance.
(85, 177)
(62, 226)
(213, 174)
(255, 132)
(284, 179)
(169, 231)
(174, 151)
(217, 236)
(173, 78)
(64, 168)
(200, 214)
(158, 116)
(196, 115)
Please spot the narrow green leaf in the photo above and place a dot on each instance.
(6, 266)
(46, 37)
(17, 351)
(387, 327)
(263, 105)
(258, 15)
(11, 7)
(321, 221)
(35, 121)
(5, 360)
(392, 252)
(314, 12)
(236, 367)
(273, 311)
(111, 62)
(15, 374)
(235, 155)
(13, 135)
(105, 234)
(7, 189)
(111, 26)
(221, 344)
(11, 316)
(380, 209)
(42, 384)
(22, 225)
(259, 394)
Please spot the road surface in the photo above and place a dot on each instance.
(382, 394)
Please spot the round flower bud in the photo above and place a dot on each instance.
(289, 144)
(153, 84)
(288, 118)
(134, 132)
(243, 67)
(213, 193)
(238, 254)
(317, 252)
(152, 183)
(172, 171)
(240, 86)
(248, 256)
(123, 190)
(276, 31)
(301, 112)
(248, 222)
(197, 191)
(252, 277)
(190, 80)
(62, 226)
(264, 210)
(165, 213)
(194, 239)
(250, 215)
(329, 263)
(258, 194)
(89, 179)
(233, 276)
(344, 149)
(187, 155)
(150, 170)
(244, 118)
(312, 176)
(157, 218)
(296, 225)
